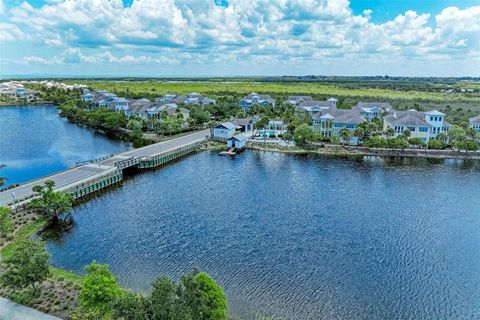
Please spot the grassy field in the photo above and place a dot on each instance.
(349, 92)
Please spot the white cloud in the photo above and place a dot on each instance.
(166, 31)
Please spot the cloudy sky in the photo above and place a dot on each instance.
(240, 37)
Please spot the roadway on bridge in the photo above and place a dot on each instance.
(70, 176)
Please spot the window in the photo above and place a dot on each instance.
(412, 129)
(431, 118)
(350, 126)
(423, 129)
(338, 125)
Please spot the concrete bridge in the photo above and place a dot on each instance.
(91, 177)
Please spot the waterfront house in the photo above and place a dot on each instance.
(371, 110)
(422, 125)
(118, 104)
(474, 123)
(329, 122)
(314, 106)
(237, 141)
(257, 99)
(224, 130)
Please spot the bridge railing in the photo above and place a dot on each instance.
(81, 163)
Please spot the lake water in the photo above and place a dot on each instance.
(295, 237)
(35, 142)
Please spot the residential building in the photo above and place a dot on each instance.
(189, 99)
(474, 123)
(314, 106)
(371, 110)
(329, 122)
(257, 99)
(295, 100)
(224, 130)
(422, 125)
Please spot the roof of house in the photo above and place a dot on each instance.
(382, 105)
(340, 115)
(241, 121)
(434, 113)
(407, 118)
(474, 119)
(226, 125)
(321, 104)
(238, 137)
(260, 96)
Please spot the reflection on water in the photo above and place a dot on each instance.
(296, 237)
(35, 142)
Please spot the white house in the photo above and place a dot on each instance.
(224, 130)
(422, 125)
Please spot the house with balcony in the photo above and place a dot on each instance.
(422, 125)
(257, 99)
(329, 122)
(371, 110)
(474, 123)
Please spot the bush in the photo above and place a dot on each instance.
(376, 142)
(416, 142)
(468, 145)
(436, 144)
(396, 143)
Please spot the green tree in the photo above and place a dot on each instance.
(345, 135)
(455, 134)
(26, 266)
(129, 306)
(100, 289)
(164, 302)
(6, 223)
(406, 134)
(262, 123)
(205, 299)
(471, 133)
(50, 203)
(301, 134)
(389, 133)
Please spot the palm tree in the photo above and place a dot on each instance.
(345, 135)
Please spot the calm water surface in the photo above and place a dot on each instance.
(295, 237)
(35, 142)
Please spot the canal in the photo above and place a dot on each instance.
(295, 237)
(35, 142)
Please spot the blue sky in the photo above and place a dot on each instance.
(239, 37)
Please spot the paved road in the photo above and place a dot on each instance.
(87, 171)
(166, 145)
(10, 310)
(61, 179)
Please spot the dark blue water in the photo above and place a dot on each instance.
(35, 142)
(296, 237)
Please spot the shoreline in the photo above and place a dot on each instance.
(349, 151)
